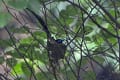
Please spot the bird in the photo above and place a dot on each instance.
(56, 49)
(59, 40)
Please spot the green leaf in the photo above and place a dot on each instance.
(11, 62)
(91, 46)
(34, 5)
(1, 59)
(70, 75)
(4, 19)
(26, 69)
(90, 75)
(41, 76)
(68, 14)
(83, 62)
(14, 54)
(1, 8)
(40, 35)
(19, 78)
(43, 57)
(26, 42)
(99, 59)
(5, 43)
(17, 69)
(18, 4)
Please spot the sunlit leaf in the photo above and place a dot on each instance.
(17, 69)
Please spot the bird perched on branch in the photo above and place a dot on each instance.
(59, 40)
(56, 48)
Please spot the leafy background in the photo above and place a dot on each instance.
(91, 31)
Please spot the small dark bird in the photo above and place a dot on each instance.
(56, 49)
(59, 40)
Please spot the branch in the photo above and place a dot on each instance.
(42, 22)
(107, 13)
(93, 20)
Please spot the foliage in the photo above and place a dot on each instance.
(91, 33)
